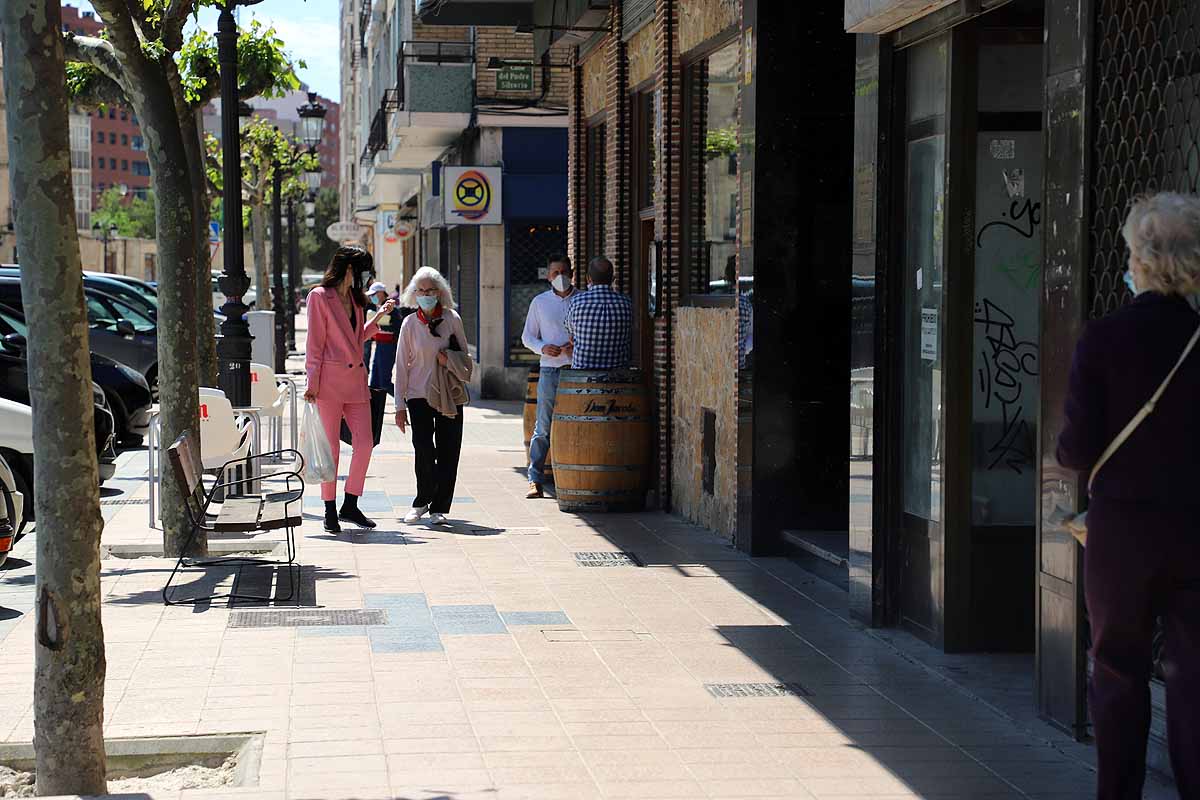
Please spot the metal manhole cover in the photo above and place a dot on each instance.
(757, 689)
(306, 618)
(606, 558)
(126, 501)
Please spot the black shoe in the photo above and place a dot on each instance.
(331, 517)
(350, 512)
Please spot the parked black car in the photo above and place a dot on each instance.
(115, 329)
(125, 389)
(120, 287)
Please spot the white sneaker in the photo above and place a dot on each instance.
(416, 513)
(437, 519)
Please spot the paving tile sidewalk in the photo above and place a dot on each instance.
(501, 666)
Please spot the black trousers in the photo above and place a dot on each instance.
(1141, 564)
(437, 440)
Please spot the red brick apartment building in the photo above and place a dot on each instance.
(118, 149)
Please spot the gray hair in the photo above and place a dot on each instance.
(445, 295)
(1163, 234)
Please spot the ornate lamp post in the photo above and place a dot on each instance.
(233, 342)
(312, 130)
(106, 235)
(281, 306)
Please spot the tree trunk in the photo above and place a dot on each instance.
(69, 662)
(262, 267)
(206, 330)
(151, 96)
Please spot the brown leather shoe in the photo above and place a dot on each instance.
(535, 491)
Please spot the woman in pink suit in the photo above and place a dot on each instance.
(337, 376)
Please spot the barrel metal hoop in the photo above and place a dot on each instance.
(578, 418)
(596, 492)
(601, 467)
(634, 391)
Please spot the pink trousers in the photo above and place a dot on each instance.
(358, 419)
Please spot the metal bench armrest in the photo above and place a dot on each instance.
(258, 456)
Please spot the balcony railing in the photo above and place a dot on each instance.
(364, 19)
(377, 140)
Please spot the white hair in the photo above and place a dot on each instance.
(445, 295)
(1163, 234)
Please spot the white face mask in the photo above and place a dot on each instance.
(560, 283)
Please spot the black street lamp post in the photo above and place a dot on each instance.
(233, 342)
(312, 129)
(280, 305)
(108, 233)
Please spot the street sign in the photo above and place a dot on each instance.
(344, 230)
(214, 231)
(515, 79)
(473, 196)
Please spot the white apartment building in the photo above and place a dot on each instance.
(423, 102)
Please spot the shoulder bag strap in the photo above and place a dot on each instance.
(1145, 411)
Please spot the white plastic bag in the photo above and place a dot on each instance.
(314, 446)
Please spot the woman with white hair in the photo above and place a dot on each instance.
(1142, 460)
(437, 439)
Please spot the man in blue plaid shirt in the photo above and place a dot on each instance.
(600, 321)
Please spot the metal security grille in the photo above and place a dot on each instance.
(529, 245)
(305, 618)
(1147, 136)
(790, 689)
(635, 14)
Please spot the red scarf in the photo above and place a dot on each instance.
(424, 319)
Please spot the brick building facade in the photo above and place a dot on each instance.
(118, 148)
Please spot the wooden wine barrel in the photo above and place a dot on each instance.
(601, 440)
(531, 419)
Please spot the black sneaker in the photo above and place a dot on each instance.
(353, 514)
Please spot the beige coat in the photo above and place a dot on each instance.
(448, 388)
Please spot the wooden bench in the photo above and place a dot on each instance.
(244, 514)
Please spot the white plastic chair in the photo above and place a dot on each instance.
(223, 437)
(270, 393)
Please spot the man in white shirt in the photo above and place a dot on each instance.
(545, 335)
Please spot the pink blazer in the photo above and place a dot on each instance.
(333, 355)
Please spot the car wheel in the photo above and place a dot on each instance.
(10, 511)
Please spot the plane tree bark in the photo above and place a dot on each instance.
(69, 657)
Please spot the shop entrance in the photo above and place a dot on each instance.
(968, 210)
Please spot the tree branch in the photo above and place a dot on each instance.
(174, 19)
(120, 26)
(100, 91)
(100, 53)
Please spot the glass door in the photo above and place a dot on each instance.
(923, 309)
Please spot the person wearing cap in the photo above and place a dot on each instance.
(384, 360)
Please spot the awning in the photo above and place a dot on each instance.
(550, 21)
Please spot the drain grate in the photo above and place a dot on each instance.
(126, 501)
(757, 689)
(607, 558)
(306, 618)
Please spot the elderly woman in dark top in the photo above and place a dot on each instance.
(1142, 559)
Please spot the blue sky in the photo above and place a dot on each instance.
(309, 30)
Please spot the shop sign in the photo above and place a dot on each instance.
(472, 195)
(344, 231)
(515, 79)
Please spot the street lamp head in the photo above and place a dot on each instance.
(312, 121)
(313, 180)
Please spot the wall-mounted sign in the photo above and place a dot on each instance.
(515, 79)
(472, 196)
(394, 228)
(344, 231)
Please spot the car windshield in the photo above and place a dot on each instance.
(13, 322)
(143, 290)
(128, 295)
(104, 311)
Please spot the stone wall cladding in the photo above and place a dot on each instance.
(705, 378)
(701, 20)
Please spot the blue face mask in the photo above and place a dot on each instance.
(1131, 283)
(426, 302)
